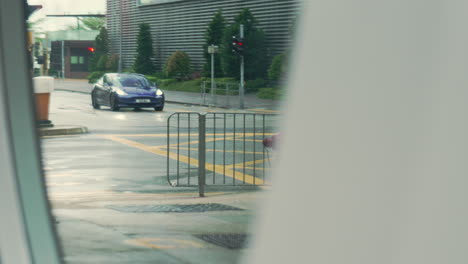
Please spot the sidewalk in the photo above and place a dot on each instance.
(250, 102)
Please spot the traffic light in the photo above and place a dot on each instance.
(91, 49)
(238, 45)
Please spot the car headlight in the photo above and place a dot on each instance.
(120, 92)
(159, 92)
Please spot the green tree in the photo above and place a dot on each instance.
(214, 36)
(93, 23)
(277, 68)
(143, 63)
(178, 65)
(88, 23)
(101, 49)
(255, 54)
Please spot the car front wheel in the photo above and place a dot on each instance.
(114, 103)
(94, 101)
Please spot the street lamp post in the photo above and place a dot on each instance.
(212, 49)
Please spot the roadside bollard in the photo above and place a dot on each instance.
(43, 86)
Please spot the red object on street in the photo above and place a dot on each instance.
(271, 142)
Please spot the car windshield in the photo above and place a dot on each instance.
(131, 81)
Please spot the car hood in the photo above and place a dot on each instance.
(140, 91)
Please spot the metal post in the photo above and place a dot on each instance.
(213, 95)
(242, 72)
(63, 59)
(201, 154)
(120, 37)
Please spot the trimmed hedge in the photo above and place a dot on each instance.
(178, 66)
(270, 93)
(254, 85)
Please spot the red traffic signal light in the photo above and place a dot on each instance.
(238, 45)
(91, 49)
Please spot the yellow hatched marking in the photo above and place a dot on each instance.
(247, 163)
(257, 168)
(194, 162)
(188, 143)
(220, 150)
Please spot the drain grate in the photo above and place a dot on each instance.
(230, 241)
(174, 208)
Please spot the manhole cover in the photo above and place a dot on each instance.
(175, 208)
(230, 241)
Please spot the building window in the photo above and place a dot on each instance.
(77, 60)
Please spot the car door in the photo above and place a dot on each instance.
(98, 90)
(106, 89)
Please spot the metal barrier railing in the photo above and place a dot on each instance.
(221, 94)
(218, 149)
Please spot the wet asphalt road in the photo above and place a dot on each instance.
(120, 163)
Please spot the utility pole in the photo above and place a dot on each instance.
(63, 59)
(241, 87)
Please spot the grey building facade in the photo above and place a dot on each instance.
(181, 25)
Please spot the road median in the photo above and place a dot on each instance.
(62, 130)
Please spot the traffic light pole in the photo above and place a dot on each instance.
(120, 37)
(213, 95)
(241, 87)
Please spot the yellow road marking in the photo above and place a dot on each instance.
(220, 150)
(257, 168)
(194, 162)
(164, 243)
(247, 163)
(189, 143)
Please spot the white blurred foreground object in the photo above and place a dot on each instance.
(374, 154)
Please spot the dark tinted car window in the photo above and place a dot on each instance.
(132, 81)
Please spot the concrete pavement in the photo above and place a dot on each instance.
(113, 204)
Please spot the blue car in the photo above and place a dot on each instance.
(121, 90)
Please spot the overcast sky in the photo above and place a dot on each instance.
(55, 7)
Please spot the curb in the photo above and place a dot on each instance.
(195, 104)
(62, 131)
(71, 91)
